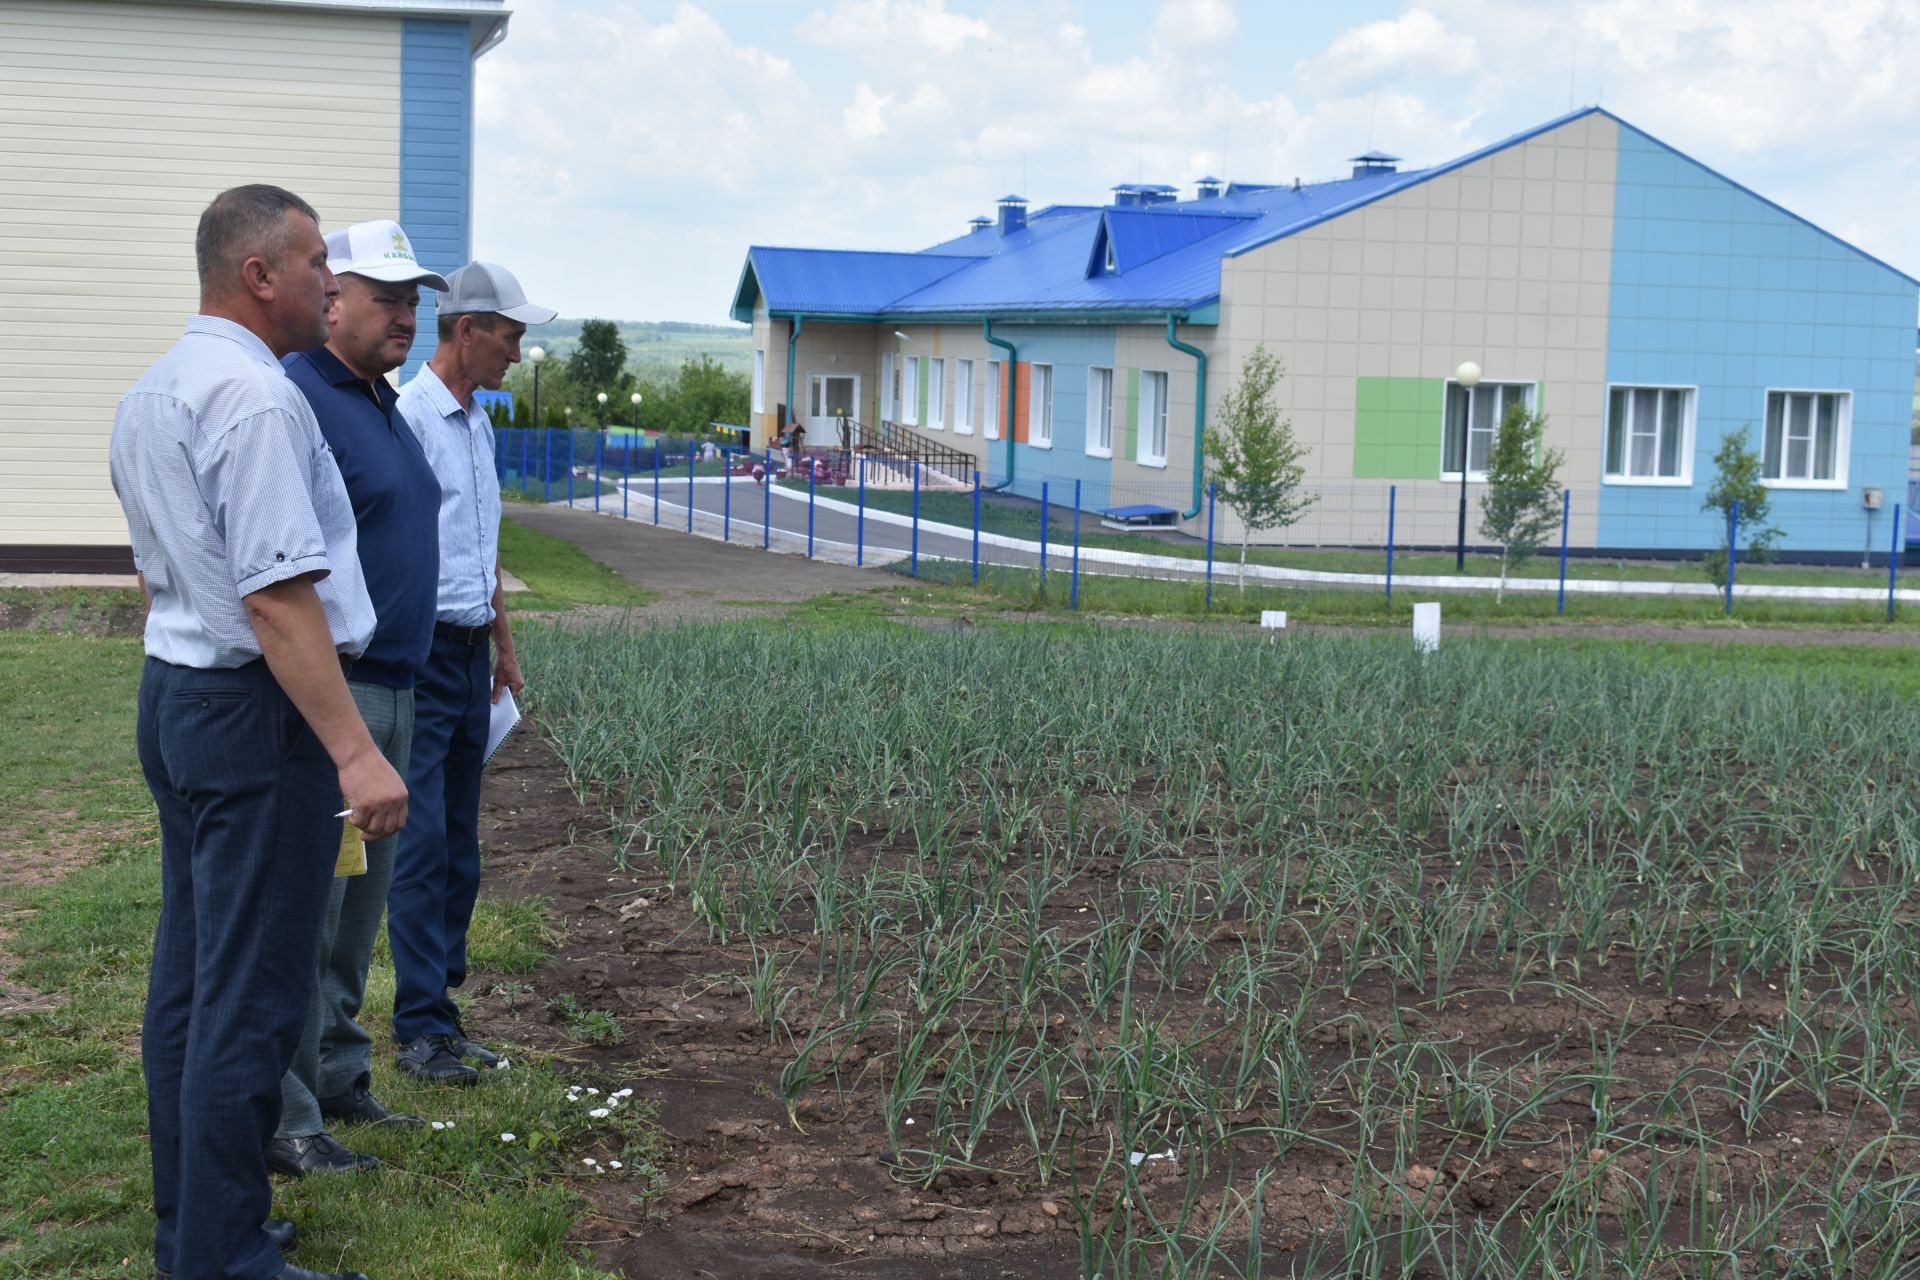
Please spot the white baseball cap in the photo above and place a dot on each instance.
(481, 286)
(378, 250)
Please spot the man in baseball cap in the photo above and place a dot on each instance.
(370, 331)
(436, 873)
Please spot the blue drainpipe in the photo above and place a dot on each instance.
(1199, 411)
(794, 325)
(986, 330)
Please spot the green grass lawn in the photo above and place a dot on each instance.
(1148, 597)
(1022, 520)
(559, 575)
(75, 1190)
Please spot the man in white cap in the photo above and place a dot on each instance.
(395, 497)
(436, 875)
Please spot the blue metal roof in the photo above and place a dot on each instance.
(1167, 255)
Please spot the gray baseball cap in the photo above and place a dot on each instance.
(482, 286)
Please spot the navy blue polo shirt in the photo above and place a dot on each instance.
(396, 505)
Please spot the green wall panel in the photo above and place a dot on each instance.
(1133, 413)
(1396, 428)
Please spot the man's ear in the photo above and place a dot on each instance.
(256, 278)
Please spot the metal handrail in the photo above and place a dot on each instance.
(890, 440)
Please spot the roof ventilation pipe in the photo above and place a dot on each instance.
(1013, 214)
(1374, 163)
(978, 224)
(1207, 188)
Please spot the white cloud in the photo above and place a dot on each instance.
(1416, 45)
(1195, 24)
(895, 28)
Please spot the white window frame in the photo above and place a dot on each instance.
(963, 397)
(1842, 438)
(759, 379)
(1689, 412)
(1531, 393)
(990, 420)
(936, 393)
(1040, 406)
(1153, 415)
(910, 390)
(887, 403)
(1099, 412)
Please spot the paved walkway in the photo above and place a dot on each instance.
(696, 577)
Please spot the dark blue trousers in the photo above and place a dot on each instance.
(248, 840)
(436, 868)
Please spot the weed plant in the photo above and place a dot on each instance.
(1312, 957)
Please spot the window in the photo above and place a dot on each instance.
(937, 393)
(992, 415)
(963, 397)
(759, 379)
(1153, 418)
(1650, 435)
(1474, 413)
(889, 388)
(1040, 412)
(1100, 412)
(910, 390)
(1806, 439)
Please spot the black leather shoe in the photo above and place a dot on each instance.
(298, 1157)
(433, 1058)
(469, 1051)
(283, 1234)
(291, 1272)
(359, 1106)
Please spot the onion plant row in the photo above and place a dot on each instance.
(1542, 950)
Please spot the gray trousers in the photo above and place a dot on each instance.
(335, 1052)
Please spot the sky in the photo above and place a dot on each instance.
(628, 152)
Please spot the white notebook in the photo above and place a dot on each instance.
(504, 715)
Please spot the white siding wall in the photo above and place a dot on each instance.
(118, 123)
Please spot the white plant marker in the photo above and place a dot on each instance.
(1274, 618)
(1426, 626)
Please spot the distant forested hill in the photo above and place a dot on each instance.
(657, 349)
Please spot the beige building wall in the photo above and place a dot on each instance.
(119, 123)
(1505, 262)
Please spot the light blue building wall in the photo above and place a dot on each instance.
(436, 156)
(1071, 350)
(1715, 288)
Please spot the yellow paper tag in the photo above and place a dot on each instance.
(353, 851)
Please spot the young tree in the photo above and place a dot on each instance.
(1253, 458)
(1521, 505)
(1736, 478)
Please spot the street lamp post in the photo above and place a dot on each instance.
(601, 400)
(1468, 376)
(537, 356)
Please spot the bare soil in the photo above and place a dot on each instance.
(754, 1192)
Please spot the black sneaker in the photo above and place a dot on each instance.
(434, 1059)
(469, 1051)
(359, 1106)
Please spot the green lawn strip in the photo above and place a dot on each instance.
(1150, 597)
(67, 713)
(559, 575)
(75, 1187)
(1889, 667)
(1023, 521)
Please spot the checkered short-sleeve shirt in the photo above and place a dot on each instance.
(228, 487)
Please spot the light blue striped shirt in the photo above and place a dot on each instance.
(459, 444)
(228, 487)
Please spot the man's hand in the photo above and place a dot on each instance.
(378, 795)
(506, 674)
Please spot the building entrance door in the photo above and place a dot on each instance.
(830, 398)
